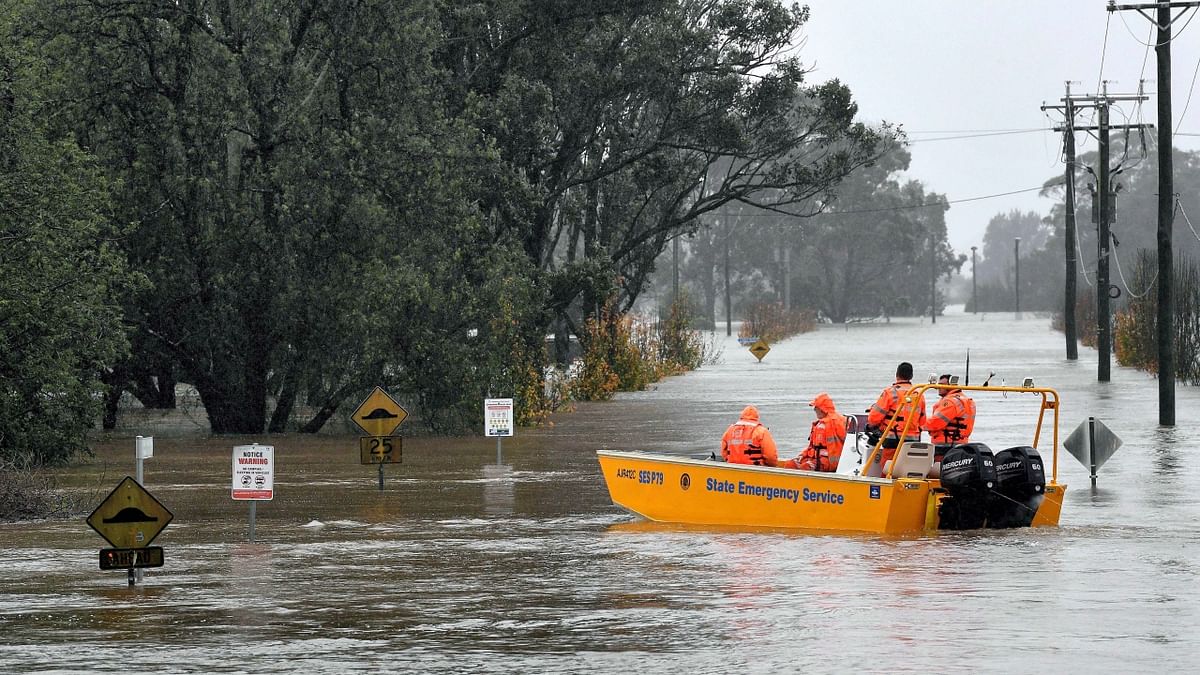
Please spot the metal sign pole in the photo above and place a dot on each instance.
(143, 447)
(381, 476)
(253, 516)
(1092, 448)
(498, 452)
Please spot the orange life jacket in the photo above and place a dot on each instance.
(953, 419)
(747, 441)
(825, 442)
(891, 400)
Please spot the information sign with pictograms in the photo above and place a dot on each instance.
(380, 450)
(129, 517)
(498, 417)
(379, 414)
(253, 472)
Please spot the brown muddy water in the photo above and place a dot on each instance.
(464, 564)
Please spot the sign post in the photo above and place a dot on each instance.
(498, 421)
(143, 449)
(129, 519)
(379, 415)
(1092, 443)
(253, 477)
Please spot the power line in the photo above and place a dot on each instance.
(944, 202)
(980, 135)
(1191, 88)
(1103, 51)
(966, 131)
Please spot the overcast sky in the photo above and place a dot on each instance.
(963, 67)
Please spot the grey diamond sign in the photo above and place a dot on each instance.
(1092, 448)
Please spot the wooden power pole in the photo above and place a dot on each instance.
(1104, 195)
(1069, 300)
(1163, 20)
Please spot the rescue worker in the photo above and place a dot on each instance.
(747, 441)
(953, 417)
(891, 400)
(825, 438)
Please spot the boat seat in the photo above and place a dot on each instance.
(912, 460)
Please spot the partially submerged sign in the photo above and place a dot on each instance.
(129, 517)
(253, 472)
(379, 414)
(1092, 443)
(759, 349)
(131, 558)
(380, 450)
(498, 419)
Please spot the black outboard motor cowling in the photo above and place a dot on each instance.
(968, 476)
(1020, 487)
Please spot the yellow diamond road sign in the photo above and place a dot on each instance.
(759, 349)
(379, 415)
(129, 517)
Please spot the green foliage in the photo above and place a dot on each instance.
(624, 354)
(681, 347)
(867, 253)
(59, 278)
(1135, 332)
(332, 195)
(771, 322)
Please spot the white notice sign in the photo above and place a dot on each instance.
(254, 472)
(498, 417)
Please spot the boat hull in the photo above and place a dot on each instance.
(682, 490)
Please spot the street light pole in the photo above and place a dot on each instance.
(974, 294)
(1017, 275)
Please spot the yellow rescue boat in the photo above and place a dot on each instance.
(923, 488)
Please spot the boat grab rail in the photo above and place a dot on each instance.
(1050, 401)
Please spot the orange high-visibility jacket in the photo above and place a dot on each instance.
(747, 441)
(953, 419)
(825, 442)
(891, 399)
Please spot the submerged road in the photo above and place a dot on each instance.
(466, 564)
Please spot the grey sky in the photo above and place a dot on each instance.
(962, 67)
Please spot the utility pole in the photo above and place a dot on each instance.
(1069, 236)
(1017, 276)
(1104, 195)
(728, 302)
(675, 275)
(1103, 310)
(974, 293)
(932, 279)
(787, 277)
(1166, 201)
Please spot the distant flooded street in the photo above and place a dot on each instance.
(463, 564)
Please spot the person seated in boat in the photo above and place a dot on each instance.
(748, 441)
(953, 417)
(891, 400)
(825, 438)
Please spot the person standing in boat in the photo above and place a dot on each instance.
(891, 400)
(825, 438)
(953, 417)
(748, 441)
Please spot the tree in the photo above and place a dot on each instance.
(60, 276)
(634, 121)
(309, 214)
(871, 251)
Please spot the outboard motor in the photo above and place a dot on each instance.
(968, 476)
(1020, 487)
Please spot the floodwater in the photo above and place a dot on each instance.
(466, 564)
